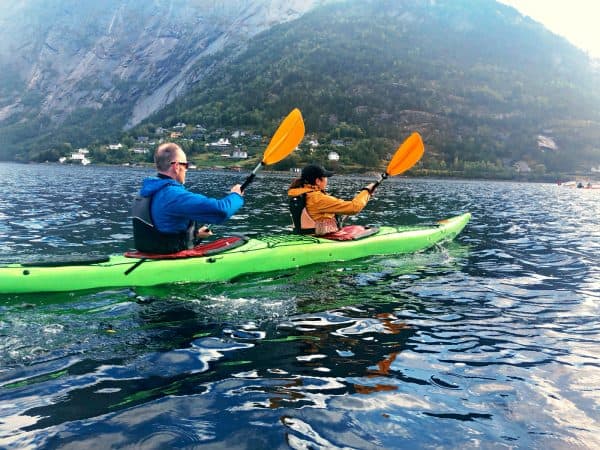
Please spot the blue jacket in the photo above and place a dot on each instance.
(173, 206)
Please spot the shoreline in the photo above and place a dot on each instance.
(559, 179)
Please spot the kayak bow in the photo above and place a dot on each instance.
(264, 254)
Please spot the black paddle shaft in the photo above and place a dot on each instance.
(249, 180)
(378, 182)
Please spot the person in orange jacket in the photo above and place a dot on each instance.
(313, 210)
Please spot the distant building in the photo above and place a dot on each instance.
(176, 134)
(239, 154)
(313, 143)
(522, 167)
(160, 130)
(337, 142)
(139, 150)
(236, 134)
(115, 146)
(333, 156)
(220, 143)
(80, 157)
(179, 126)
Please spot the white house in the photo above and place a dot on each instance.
(115, 146)
(239, 154)
(313, 143)
(220, 143)
(333, 156)
(179, 126)
(80, 158)
(522, 167)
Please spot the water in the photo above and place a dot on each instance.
(490, 341)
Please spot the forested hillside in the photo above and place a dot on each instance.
(78, 72)
(479, 81)
(485, 86)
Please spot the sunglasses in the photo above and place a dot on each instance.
(184, 164)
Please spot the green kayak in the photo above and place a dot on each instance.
(253, 255)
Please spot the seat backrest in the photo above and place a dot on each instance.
(297, 205)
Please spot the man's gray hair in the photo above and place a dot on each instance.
(165, 154)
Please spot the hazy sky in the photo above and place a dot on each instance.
(576, 20)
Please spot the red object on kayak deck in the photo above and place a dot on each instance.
(351, 233)
(210, 248)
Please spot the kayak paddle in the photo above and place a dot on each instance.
(284, 141)
(407, 155)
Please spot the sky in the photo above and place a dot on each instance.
(576, 20)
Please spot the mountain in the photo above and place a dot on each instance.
(76, 71)
(484, 85)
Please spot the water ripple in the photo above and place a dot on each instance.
(490, 341)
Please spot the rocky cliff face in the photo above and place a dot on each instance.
(65, 56)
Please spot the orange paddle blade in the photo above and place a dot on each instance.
(407, 155)
(286, 138)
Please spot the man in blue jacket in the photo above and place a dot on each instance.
(165, 212)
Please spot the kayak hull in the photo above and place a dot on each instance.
(258, 255)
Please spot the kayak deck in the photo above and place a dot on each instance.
(264, 254)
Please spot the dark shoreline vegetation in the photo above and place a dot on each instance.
(248, 165)
(354, 155)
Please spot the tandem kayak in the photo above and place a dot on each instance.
(253, 255)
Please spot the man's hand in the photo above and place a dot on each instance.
(203, 232)
(237, 189)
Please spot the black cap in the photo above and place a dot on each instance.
(311, 172)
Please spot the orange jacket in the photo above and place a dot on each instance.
(321, 206)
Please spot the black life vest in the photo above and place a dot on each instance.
(297, 208)
(148, 239)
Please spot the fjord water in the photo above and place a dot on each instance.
(490, 341)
